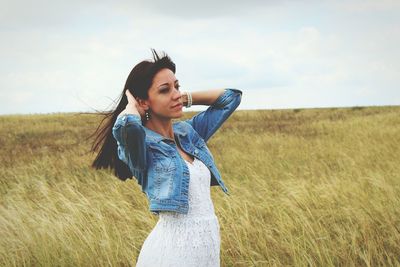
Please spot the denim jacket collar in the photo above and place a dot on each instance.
(156, 137)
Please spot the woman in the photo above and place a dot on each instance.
(170, 160)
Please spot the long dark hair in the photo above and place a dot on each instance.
(138, 83)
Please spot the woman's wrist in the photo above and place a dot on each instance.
(187, 99)
(184, 99)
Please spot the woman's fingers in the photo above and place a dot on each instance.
(132, 106)
(130, 97)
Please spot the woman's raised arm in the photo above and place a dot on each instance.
(130, 136)
(222, 105)
(203, 97)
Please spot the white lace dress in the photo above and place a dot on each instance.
(186, 239)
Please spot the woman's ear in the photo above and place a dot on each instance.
(143, 103)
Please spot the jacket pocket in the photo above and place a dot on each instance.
(162, 172)
(163, 160)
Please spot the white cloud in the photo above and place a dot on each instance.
(66, 57)
(367, 5)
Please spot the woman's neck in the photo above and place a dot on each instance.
(163, 127)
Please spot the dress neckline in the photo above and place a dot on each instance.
(191, 163)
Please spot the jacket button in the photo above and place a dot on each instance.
(196, 151)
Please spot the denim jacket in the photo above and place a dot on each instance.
(155, 162)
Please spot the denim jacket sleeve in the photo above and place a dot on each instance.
(130, 136)
(207, 122)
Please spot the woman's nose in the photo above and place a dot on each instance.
(177, 94)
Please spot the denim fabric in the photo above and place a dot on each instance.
(155, 162)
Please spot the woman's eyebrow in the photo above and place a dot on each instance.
(167, 83)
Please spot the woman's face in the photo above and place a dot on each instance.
(165, 100)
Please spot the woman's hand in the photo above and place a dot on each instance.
(132, 107)
(184, 98)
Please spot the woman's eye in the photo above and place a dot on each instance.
(165, 90)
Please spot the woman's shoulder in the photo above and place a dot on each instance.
(185, 130)
(182, 125)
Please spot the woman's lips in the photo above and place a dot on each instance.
(178, 106)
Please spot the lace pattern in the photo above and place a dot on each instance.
(186, 239)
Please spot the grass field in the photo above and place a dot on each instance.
(309, 187)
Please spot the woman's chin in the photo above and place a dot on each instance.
(178, 114)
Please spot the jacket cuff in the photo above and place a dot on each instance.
(127, 119)
(224, 99)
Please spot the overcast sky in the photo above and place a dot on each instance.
(76, 55)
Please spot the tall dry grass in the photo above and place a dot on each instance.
(309, 187)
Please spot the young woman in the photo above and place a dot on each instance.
(169, 160)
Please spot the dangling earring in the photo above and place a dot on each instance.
(147, 115)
